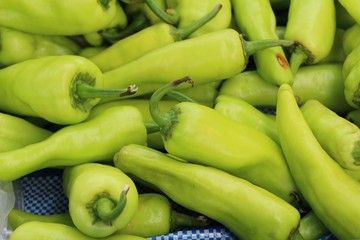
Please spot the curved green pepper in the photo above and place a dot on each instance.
(222, 143)
(351, 86)
(18, 46)
(17, 132)
(60, 89)
(271, 63)
(323, 82)
(331, 193)
(36, 230)
(60, 18)
(94, 140)
(305, 25)
(237, 204)
(189, 57)
(106, 204)
(144, 41)
(155, 216)
(351, 39)
(344, 144)
(243, 112)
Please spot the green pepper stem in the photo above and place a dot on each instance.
(151, 127)
(178, 219)
(107, 209)
(162, 119)
(84, 91)
(299, 56)
(182, 33)
(104, 3)
(169, 16)
(251, 47)
(178, 96)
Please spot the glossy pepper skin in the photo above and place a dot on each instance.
(306, 19)
(98, 205)
(36, 230)
(331, 193)
(148, 39)
(237, 204)
(18, 46)
(190, 57)
(61, 18)
(52, 88)
(243, 112)
(323, 82)
(17, 132)
(222, 143)
(155, 216)
(94, 140)
(344, 144)
(271, 63)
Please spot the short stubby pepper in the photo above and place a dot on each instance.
(60, 18)
(59, 89)
(102, 199)
(96, 139)
(36, 230)
(331, 193)
(234, 202)
(344, 144)
(200, 134)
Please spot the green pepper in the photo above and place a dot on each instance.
(62, 18)
(234, 202)
(94, 140)
(243, 112)
(343, 19)
(351, 39)
(106, 204)
(142, 8)
(323, 82)
(18, 217)
(354, 116)
(222, 143)
(36, 230)
(60, 89)
(18, 46)
(344, 144)
(190, 57)
(16, 132)
(336, 54)
(271, 63)
(144, 41)
(331, 193)
(306, 21)
(351, 86)
(353, 9)
(350, 61)
(155, 216)
(311, 227)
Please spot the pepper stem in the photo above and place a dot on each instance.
(178, 219)
(169, 16)
(182, 33)
(106, 209)
(151, 127)
(178, 96)
(299, 56)
(162, 119)
(251, 47)
(84, 91)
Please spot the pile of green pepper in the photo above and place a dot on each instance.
(246, 114)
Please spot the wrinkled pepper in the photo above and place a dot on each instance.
(271, 63)
(18, 46)
(331, 193)
(36, 230)
(243, 112)
(323, 82)
(222, 143)
(237, 204)
(60, 18)
(16, 132)
(60, 89)
(190, 57)
(94, 140)
(344, 144)
(155, 217)
(305, 25)
(144, 41)
(106, 204)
